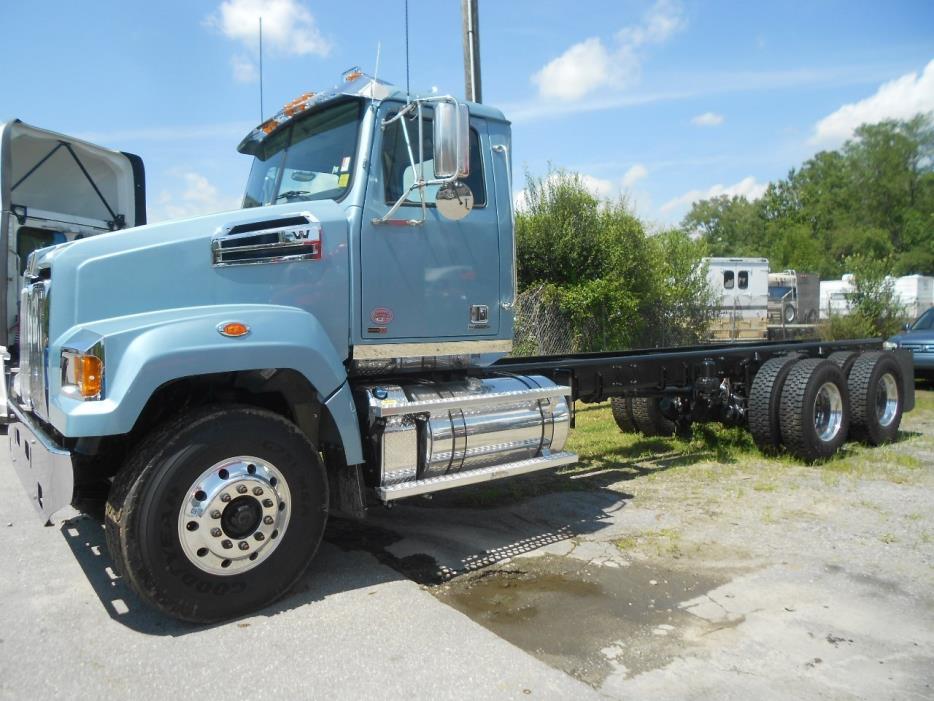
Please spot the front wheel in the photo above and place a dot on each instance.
(218, 513)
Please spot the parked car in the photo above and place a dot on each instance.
(919, 339)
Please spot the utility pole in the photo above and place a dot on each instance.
(472, 87)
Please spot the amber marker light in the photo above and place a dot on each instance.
(82, 374)
(233, 329)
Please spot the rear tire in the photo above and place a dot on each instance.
(815, 409)
(843, 360)
(875, 390)
(648, 417)
(167, 522)
(765, 402)
(622, 414)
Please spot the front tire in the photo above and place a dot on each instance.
(218, 513)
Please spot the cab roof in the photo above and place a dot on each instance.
(354, 83)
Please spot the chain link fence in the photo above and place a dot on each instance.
(543, 328)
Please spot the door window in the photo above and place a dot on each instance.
(399, 175)
(743, 279)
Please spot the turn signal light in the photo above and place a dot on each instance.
(234, 329)
(82, 375)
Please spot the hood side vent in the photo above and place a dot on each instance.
(268, 241)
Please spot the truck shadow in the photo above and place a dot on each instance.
(425, 541)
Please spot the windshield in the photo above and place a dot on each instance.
(311, 159)
(778, 292)
(925, 322)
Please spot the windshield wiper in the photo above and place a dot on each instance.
(296, 194)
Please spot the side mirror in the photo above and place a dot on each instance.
(451, 140)
(906, 327)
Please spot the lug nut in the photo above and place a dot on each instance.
(215, 513)
(257, 491)
(267, 520)
(225, 497)
(259, 536)
(226, 544)
(216, 532)
(241, 489)
(267, 503)
(244, 545)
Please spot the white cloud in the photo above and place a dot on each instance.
(708, 119)
(244, 69)
(196, 196)
(578, 71)
(748, 187)
(289, 29)
(901, 98)
(589, 64)
(634, 175)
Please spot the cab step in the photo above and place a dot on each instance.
(412, 488)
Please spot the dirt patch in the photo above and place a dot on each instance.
(587, 620)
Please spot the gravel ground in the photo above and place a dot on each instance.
(682, 573)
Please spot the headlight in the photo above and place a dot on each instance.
(889, 345)
(83, 373)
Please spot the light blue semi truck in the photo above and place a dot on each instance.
(228, 382)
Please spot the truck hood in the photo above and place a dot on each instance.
(170, 266)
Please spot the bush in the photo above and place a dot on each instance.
(614, 284)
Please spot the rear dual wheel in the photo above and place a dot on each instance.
(644, 415)
(874, 384)
(815, 409)
(765, 402)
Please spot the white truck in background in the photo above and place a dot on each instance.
(56, 188)
(915, 293)
(741, 292)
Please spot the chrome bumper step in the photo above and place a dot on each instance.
(400, 490)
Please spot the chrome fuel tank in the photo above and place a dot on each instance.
(426, 430)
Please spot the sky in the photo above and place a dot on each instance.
(661, 101)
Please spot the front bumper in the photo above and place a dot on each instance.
(45, 469)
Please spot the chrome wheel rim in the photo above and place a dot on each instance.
(886, 399)
(828, 412)
(234, 515)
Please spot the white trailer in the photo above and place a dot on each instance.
(741, 294)
(915, 293)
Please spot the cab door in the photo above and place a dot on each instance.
(437, 278)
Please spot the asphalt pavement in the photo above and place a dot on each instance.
(352, 628)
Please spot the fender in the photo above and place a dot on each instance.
(143, 352)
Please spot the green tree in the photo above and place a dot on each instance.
(873, 197)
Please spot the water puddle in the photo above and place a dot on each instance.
(584, 619)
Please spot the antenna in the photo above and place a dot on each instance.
(261, 69)
(379, 45)
(407, 91)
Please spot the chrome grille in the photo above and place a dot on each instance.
(33, 346)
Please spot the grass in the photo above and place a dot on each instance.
(713, 454)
